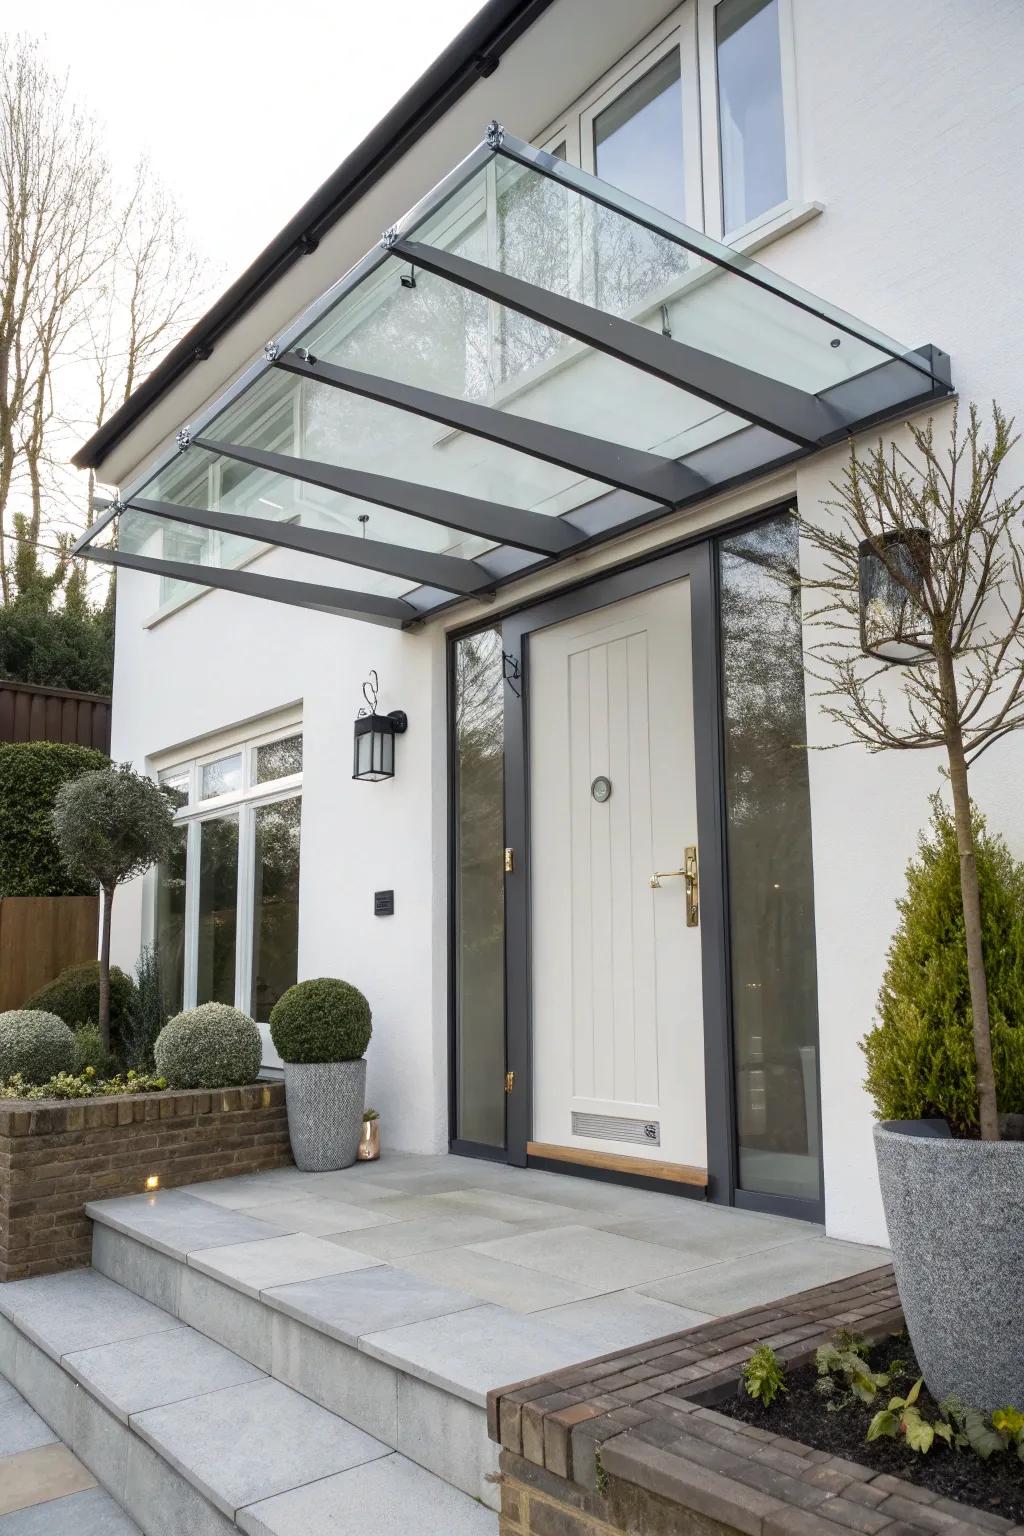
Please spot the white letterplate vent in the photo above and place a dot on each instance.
(617, 1128)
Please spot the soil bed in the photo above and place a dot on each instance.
(996, 1485)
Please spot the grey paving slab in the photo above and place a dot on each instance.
(249, 1188)
(469, 1352)
(21, 1429)
(338, 1376)
(496, 1280)
(586, 1251)
(710, 1237)
(493, 1204)
(256, 1267)
(733, 1286)
(179, 1224)
(621, 1319)
(402, 1237)
(448, 1436)
(157, 1369)
(240, 1323)
(318, 1217)
(346, 1306)
(248, 1443)
(390, 1497)
(89, 1513)
(77, 1310)
(136, 1266)
(7, 1390)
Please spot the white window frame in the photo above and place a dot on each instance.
(707, 64)
(243, 803)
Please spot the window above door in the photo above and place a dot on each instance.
(699, 119)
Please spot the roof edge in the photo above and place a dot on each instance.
(472, 55)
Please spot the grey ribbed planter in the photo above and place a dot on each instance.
(325, 1112)
(955, 1212)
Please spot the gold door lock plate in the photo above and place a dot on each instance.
(688, 874)
(510, 860)
(510, 1081)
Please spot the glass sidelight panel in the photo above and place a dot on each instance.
(751, 125)
(479, 889)
(275, 920)
(170, 922)
(218, 910)
(774, 980)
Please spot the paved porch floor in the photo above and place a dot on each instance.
(609, 1265)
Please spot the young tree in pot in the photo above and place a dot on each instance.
(111, 825)
(924, 564)
(321, 1029)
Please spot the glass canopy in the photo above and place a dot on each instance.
(531, 361)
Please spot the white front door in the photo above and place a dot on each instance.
(618, 1046)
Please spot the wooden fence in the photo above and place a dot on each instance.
(39, 936)
(28, 713)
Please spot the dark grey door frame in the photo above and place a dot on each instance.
(697, 563)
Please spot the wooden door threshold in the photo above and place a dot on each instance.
(615, 1162)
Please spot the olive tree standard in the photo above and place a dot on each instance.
(925, 564)
(111, 825)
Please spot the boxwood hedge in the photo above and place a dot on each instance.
(31, 773)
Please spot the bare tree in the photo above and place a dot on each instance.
(952, 588)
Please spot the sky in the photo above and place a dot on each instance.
(243, 109)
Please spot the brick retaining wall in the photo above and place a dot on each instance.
(56, 1155)
(631, 1443)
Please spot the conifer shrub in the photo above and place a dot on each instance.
(920, 1054)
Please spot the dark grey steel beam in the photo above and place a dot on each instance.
(433, 570)
(770, 403)
(342, 601)
(489, 520)
(629, 469)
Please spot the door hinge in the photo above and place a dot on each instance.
(510, 1081)
(510, 860)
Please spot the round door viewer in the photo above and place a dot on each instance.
(601, 789)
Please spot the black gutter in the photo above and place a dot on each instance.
(474, 54)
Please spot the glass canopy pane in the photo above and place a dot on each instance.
(550, 234)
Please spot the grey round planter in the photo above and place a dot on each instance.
(955, 1212)
(325, 1112)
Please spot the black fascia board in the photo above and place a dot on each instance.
(472, 55)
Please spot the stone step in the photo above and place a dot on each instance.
(400, 1357)
(188, 1435)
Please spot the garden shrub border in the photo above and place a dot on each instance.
(633, 1441)
(55, 1155)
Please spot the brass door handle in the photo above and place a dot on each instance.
(688, 873)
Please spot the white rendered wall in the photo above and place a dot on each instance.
(911, 121)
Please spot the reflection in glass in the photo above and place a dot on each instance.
(218, 910)
(480, 889)
(170, 922)
(638, 140)
(774, 980)
(221, 777)
(275, 923)
(750, 120)
(277, 759)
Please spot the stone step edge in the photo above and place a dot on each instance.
(463, 1455)
(265, 1299)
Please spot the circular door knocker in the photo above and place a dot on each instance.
(601, 789)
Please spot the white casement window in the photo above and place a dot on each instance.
(225, 905)
(699, 119)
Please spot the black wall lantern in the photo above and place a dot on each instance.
(374, 748)
(892, 626)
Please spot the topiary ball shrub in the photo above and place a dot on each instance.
(321, 1020)
(34, 1045)
(212, 1046)
(74, 996)
(920, 1054)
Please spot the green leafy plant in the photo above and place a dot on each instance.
(91, 1052)
(1008, 1424)
(111, 825)
(212, 1046)
(763, 1375)
(371, 1114)
(74, 996)
(31, 773)
(34, 1045)
(920, 1055)
(843, 1363)
(321, 1020)
(904, 1417)
(83, 1085)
